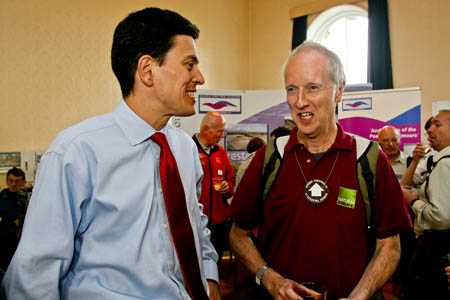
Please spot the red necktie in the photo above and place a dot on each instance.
(180, 226)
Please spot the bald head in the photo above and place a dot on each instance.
(439, 131)
(211, 119)
(389, 140)
(212, 128)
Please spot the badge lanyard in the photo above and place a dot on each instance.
(316, 191)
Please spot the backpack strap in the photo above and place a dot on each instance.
(431, 170)
(272, 162)
(366, 164)
(429, 164)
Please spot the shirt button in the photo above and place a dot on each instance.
(308, 160)
(157, 156)
(165, 226)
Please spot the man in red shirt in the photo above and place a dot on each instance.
(218, 178)
(312, 226)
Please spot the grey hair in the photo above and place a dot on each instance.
(335, 67)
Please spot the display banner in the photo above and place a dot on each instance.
(256, 113)
(248, 114)
(365, 113)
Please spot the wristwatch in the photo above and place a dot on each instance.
(259, 275)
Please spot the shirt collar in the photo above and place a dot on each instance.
(401, 157)
(135, 129)
(342, 140)
(206, 149)
(445, 151)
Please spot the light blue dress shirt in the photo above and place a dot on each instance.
(96, 227)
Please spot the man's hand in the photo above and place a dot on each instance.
(282, 288)
(418, 152)
(409, 197)
(214, 293)
(224, 187)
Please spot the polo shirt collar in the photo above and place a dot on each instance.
(343, 140)
(401, 157)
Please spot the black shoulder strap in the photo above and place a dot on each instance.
(429, 163)
(431, 170)
(408, 160)
(436, 162)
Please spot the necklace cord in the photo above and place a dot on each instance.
(301, 170)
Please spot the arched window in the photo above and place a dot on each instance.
(344, 29)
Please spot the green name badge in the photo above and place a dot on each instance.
(346, 198)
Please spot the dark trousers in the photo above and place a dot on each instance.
(7, 249)
(426, 277)
(219, 238)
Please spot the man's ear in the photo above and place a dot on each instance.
(144, 68)
(339, 94)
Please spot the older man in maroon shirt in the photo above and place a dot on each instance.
(301, 240)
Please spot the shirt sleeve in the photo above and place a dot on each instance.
(390, 209)
(46, 248)
(421, 171)
(210, 256)
(435, 214)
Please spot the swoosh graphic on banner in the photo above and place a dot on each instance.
(356, 104)
(219, 105)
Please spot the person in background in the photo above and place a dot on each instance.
(218, 179)
(13, 205)
(306, 233)
(419, 168)
(253, 145)
(279, 131)
(102, 221)
(389, 140)
(426, 277)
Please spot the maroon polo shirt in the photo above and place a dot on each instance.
(318, 242)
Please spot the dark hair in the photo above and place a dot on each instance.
(428, 123)
(254, 144)
(280, 131)
(16, 172)
(149, 31)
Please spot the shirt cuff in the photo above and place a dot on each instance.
(211, 270)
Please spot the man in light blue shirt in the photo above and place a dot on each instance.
(97, 226)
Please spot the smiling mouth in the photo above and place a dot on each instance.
(306, 116)
(190, 94)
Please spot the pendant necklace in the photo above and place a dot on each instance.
(316, 191)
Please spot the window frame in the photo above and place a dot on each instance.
(323, 21)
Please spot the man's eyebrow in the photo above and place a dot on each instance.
(193, 58)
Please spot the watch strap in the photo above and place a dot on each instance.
(259, 274)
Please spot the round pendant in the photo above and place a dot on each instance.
(316, 191)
